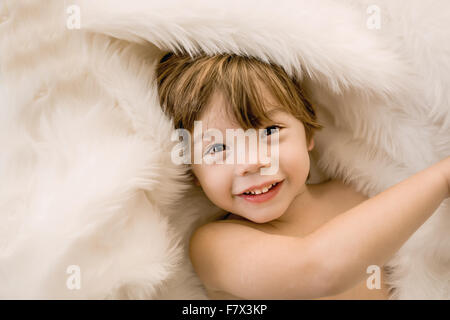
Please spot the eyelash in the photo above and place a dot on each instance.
(212, 147)
(279, 127)
(221, 144)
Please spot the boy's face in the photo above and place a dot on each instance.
(223, 183)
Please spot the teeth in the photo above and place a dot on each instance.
(264, 190)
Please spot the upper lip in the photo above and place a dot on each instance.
(260, 187)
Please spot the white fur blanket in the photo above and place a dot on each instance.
(86, 181)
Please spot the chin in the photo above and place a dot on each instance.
(266, 220)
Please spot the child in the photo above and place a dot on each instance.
(285, 239)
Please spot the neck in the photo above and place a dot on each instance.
(302, 203)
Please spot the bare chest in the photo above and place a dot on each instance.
(369, 289)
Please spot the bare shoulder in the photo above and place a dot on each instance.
(216, 249)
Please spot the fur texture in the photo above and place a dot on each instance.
(86, 175)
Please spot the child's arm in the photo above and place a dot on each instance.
(252, 264)
(370, 233)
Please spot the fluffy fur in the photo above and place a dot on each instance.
(86, 176)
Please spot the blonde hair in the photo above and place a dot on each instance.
(186, 83)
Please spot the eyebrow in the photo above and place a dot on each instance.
(275, 111)
(200, 137)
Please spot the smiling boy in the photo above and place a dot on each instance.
(286, 239)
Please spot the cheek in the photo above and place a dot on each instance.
(294, 161)
(215, 182)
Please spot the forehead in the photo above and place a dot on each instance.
(216, 114)
(214, 117)
(216, 110)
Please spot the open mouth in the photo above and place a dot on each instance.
(263, 196)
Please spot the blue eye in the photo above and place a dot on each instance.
(271, 129)
(214, 146)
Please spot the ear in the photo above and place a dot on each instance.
(311, 144)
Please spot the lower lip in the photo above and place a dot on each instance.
(263, 197)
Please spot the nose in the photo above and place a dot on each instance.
(249, 168)
(250, 165)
